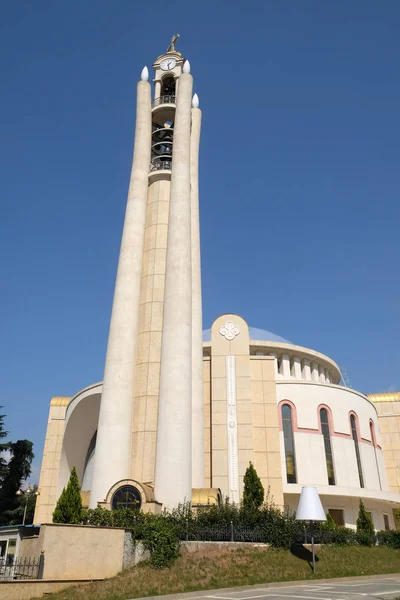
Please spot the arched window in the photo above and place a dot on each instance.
(288, 437)
(126, 496)
(373, 440)
(323, 415)
(168, 86)
(354, 435)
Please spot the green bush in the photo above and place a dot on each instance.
(161, 537)
(389, 538)
(98, 517)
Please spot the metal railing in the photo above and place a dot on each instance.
(221, 533)
(158, 165)
(164, 100)
(21, 568)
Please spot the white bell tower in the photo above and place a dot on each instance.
(151, 424)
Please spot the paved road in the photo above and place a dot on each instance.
(384, 587)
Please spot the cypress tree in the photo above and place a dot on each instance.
(365, 527)
(253, 492)
(69, 506)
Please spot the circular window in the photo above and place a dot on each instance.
(126, 497)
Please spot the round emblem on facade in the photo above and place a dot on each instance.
(229, 331)
(232, 424)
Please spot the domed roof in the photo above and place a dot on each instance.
(256, 334)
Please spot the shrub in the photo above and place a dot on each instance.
(160, 536)
(365, 527)
(253, 491)
(69, 506)
(389, 538)
(329, 523)
(98, 517)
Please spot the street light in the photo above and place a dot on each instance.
(310, 509)
(27, 494)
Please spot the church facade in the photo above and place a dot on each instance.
(181, 412)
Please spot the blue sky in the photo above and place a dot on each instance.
(300, 179)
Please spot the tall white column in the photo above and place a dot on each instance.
(297, 367)
(286, 366)
(112, 458)
(314, 372)
(322, 375)
(173, 476)
(197, 330)
(306, 370)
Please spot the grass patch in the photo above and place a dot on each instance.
(219, 569)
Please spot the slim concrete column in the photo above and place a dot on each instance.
(112, 459)
(315, 372)
(327, 376)
(306, 370)
(297, 367)
(197, 330)
(285, 366)
(322, 377)
(173, 476)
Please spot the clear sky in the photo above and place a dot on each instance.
(300, 179)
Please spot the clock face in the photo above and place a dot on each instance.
(167, 64)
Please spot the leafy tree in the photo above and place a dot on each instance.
(365, 527)
(18, 470)
(69, 506)
(16, 516)
(3, 448)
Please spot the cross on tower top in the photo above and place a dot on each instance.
(171, 47)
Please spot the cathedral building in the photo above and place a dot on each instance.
(182, 412)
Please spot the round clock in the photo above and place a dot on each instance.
(167, 64)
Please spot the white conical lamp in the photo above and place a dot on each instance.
(310, 507)
(144, 75)
(186, 67)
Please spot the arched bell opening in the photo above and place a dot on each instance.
(162, 139)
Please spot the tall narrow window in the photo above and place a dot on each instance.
(323, 415)
(373, 440)
(288, 437)
(357, 449)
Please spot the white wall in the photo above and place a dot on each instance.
(80, 426)
(310, 453)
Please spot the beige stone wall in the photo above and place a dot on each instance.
(30, 547)
(15, 590)
(389, 426)
(79, 552)
(48, 482)
(267, 459)
(150, 330)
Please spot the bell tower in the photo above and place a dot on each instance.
(151, 424)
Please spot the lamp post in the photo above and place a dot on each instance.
(310, 509)
(27, 494)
